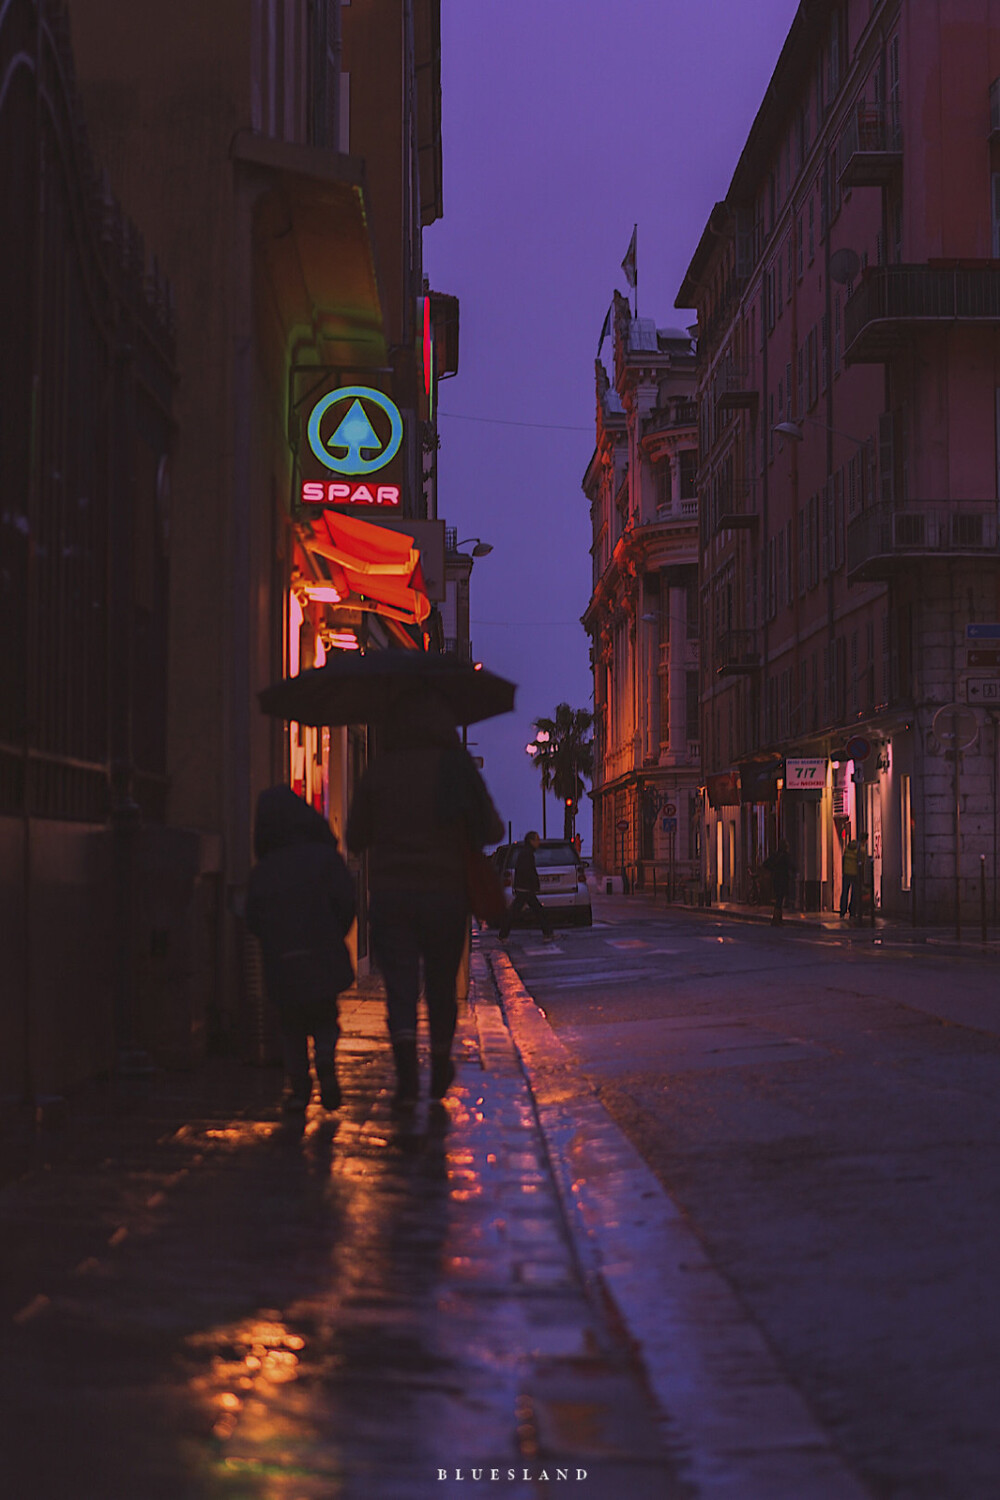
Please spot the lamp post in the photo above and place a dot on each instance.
(534, 748)
(481, 549)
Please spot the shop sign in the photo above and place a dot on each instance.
(340, 492)
(350, 449)
(805, 774)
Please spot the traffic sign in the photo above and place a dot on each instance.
(988, 631)
(982, 690)
(983, 656)
(955, 725)
(670, 809)
(858, 748)
(622, 825)
(669, 825)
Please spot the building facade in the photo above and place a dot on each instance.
(643, 613)
(848, 299)
(286, 157)
(89, 872)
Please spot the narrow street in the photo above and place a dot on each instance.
(823, 1111)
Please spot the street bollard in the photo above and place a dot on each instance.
(982, 896)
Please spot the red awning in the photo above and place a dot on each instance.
(376, 564)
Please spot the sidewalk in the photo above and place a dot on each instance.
(817, 924)
(202, 1300)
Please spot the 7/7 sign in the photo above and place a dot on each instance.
(808, 772)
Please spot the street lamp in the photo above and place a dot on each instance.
(481, 549)
(794, 430)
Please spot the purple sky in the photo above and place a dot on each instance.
(565, 122)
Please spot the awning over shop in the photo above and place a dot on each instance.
(313, 249)
(723, 789)
(371, 565)
(759, 778)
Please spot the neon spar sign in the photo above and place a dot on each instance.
(367, 433)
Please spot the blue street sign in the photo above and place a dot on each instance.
(983, 632)
(668, 825)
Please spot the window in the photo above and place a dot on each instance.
(788, 387)
(687, 461)
(812, 229)
(790, 252)
(812, 364)
(781, 401)
(779, 296)
(691, 596)
(836, 333)
(691, 704)
(800, 241)
(800, 360)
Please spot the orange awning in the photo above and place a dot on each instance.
(377, 564)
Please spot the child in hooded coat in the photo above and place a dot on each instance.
(300, 906)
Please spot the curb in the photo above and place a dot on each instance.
(739, 1430)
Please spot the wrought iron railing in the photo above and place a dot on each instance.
(887, 534)
(915, 293)
(737, 650)
(871, 129)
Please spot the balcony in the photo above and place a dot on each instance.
(736, 509)
(673, 414)
(736, 653)
(870, 148)
(890, 538)
(734, 387)
(894, 302)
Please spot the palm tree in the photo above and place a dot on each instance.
(565, 757)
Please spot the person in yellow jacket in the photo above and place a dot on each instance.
(849, 877)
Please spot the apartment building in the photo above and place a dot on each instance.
(848, 299)
(643, 612)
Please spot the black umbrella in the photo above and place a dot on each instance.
(360, 689)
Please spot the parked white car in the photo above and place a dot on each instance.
(562, 877)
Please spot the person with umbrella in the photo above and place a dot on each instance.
(419, 809)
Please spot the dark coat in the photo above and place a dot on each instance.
(781, 869)
(421, 805)
(526, 871)
(300, 901)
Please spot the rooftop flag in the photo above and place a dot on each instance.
(605, 330)
(629, 263)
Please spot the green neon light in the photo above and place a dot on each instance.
(355, 432)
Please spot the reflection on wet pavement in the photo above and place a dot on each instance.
(340, 1307)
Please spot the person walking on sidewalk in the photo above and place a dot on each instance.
(781, 869)
(419, 808)
(850, 870)
(526, 888)
(300, 906)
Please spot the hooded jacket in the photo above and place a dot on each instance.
(300, 901)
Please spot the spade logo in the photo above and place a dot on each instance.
(355, 447)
